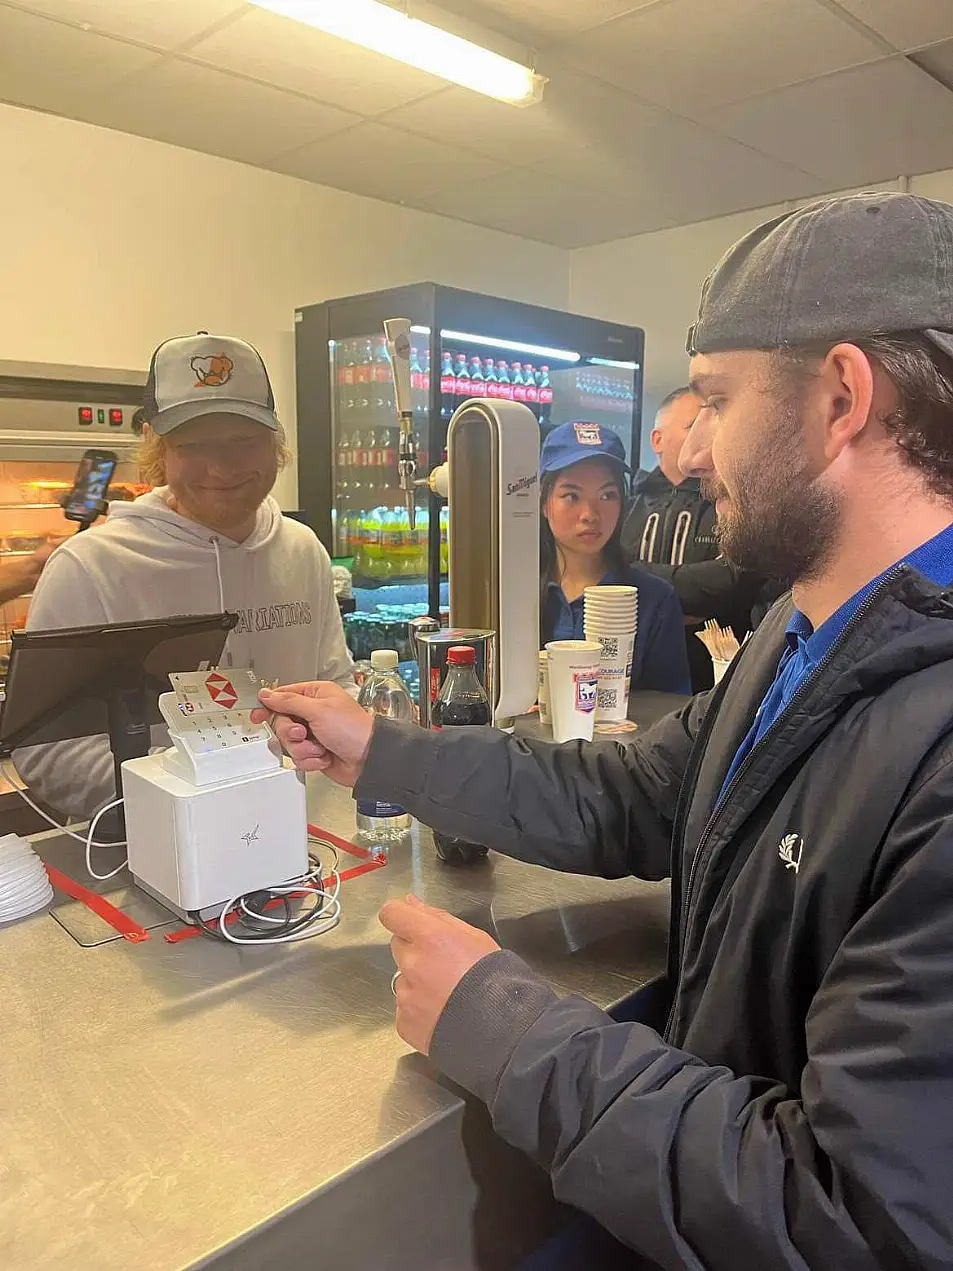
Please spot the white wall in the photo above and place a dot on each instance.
(112, 243)
(654, 280)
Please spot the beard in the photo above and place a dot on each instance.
(782, 522)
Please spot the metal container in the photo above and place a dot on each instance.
(432, 648)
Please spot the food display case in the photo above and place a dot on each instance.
(463, 345)
(49, 416)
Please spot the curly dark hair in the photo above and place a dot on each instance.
(922, 423)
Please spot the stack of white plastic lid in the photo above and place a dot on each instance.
(24, 884)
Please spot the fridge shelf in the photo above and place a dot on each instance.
(31, 507)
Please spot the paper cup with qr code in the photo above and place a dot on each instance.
(615, 670)
(573, 685)
(542, 689)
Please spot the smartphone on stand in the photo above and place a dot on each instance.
(87, 499)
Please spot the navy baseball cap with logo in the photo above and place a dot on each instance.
(204, 374)
(579, 439)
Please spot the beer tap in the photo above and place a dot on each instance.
(397, 331)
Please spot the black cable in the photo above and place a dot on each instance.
(273, 931)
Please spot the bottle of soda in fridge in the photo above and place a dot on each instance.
(504, 388)
(545, 390)
(461, 376)
(447, 404)
(492, 388)
(381, 825)
(476, 378)
(532, 392)
(461, 703)
(519, 386)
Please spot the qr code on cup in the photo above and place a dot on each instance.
(610, 646)
(608, 699)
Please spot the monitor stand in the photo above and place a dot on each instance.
(130, 737)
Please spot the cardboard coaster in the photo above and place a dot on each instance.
(611, 728)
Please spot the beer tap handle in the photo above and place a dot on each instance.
(397, 333)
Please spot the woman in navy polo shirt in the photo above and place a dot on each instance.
(582, 488)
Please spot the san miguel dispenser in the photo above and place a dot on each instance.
(493, 488)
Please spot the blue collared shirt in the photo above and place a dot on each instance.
(807, 648)
(659, 660)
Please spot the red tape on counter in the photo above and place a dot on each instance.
(119, 921)
(370, 862)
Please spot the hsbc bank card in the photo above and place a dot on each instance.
(213, 692)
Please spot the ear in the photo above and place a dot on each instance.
(655, 437)
(846, 384)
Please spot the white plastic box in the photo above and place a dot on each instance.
(196, 847)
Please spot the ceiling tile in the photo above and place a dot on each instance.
(383, 163)
(206, 110)
(862, 125)
(906, 24)
(689, 56)
(165, 24)
(532, 204)
(544, 20)
(291, 55)
(610, 141)
(575, 113)
(55, 67)
(938, 60)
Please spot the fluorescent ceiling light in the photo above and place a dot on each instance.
(421, 330)
(564, 355)
(608, 361)
(383, 29)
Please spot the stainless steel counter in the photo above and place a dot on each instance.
(189, 1105)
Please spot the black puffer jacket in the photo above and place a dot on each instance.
(670, 530)
(797, 1109)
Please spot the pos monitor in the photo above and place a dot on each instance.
(85, 681)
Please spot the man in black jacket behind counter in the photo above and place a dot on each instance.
(794, 1110)
(670, 529)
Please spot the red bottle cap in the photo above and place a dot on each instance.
(461, 654)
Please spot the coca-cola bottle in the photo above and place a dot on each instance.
(504, 388)
(461, 376)
(461, 703)
(492, 387)
(342, 462)
(364, 371)
(381, 370)
(476, 378)
(519, 386)
(416, 374)
(545, 396)
(447, 404)
(532, 392)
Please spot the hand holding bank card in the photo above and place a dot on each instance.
(211, 710)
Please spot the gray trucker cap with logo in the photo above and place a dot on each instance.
(204, 374)
(838, 269)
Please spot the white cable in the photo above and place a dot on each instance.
(89, 844)
(14, 785)
(324, 917)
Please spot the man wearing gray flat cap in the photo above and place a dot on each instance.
(790, 1106)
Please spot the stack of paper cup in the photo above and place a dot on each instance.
(542, 688)
(611, 617)
(24, 885)
(573, 682)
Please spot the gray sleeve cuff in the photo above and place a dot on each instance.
(484, 1021)
(397, 760)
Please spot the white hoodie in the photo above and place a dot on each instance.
(146, 561)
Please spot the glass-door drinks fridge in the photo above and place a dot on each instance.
(463, 345)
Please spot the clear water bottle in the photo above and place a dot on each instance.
(381, 825)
